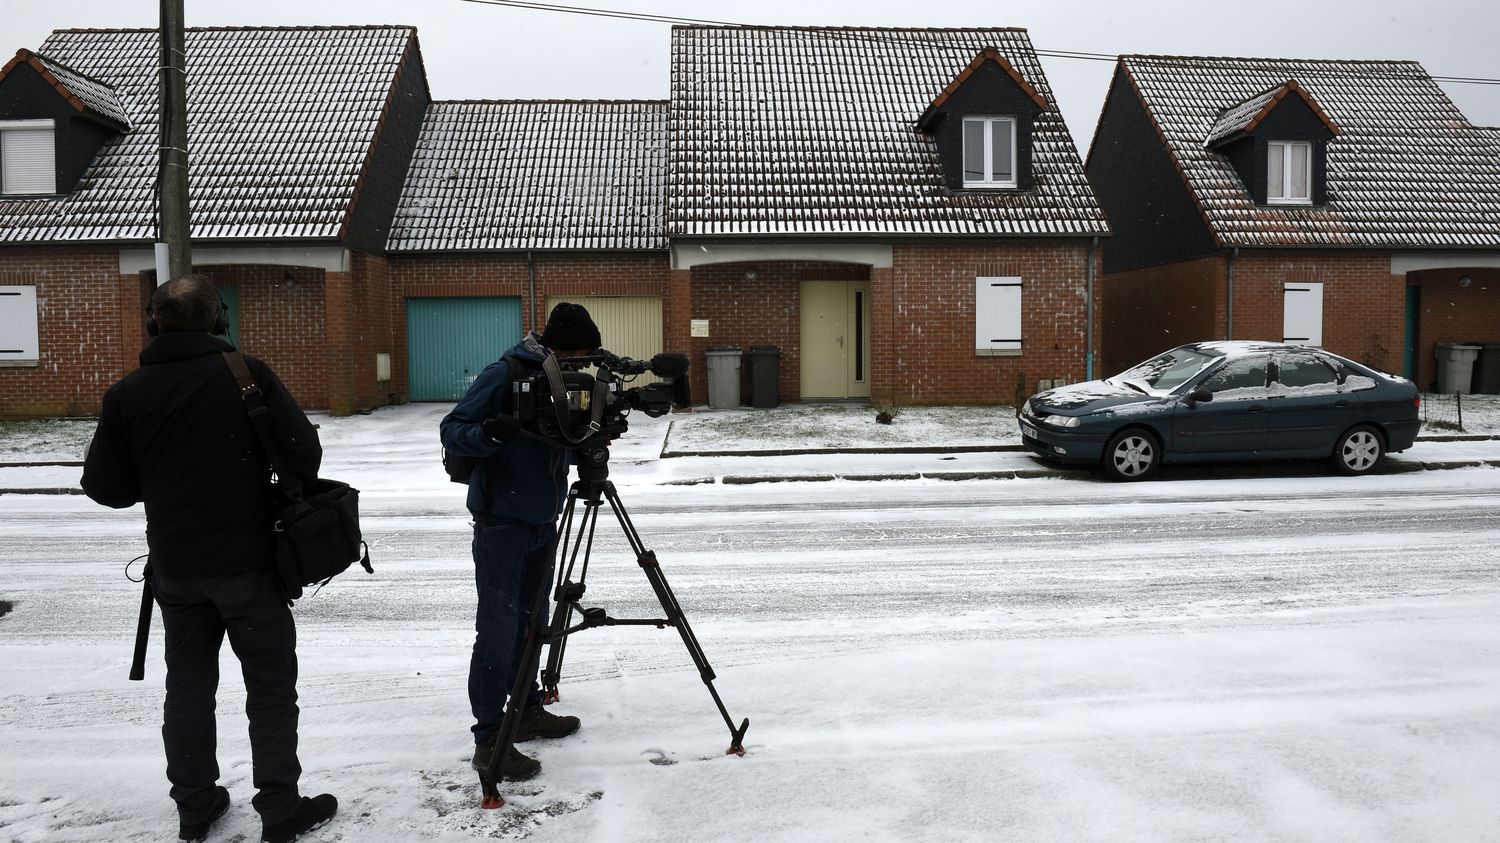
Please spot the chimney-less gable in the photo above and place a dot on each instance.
(84, 115)
(1250, 133)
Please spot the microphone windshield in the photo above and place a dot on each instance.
(669, 364)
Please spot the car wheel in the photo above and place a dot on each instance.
(1132, 454)
(1358, 451)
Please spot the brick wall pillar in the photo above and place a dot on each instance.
(883, 338)
(339, 341)
(677, 328)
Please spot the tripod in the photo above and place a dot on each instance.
(593, 488)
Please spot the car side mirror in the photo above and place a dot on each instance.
(1198, 395)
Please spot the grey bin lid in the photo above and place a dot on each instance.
(724, 349)
(760, 350)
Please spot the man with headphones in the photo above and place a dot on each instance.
(175, 435)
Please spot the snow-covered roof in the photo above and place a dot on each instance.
(90, 96)
(812, 131)
(1406, 168)
(1243, 117)
(281, 122)
(536, 174)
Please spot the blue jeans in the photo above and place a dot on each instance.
(197, 613)
(512, 569)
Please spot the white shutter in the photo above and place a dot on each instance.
(997, 313)
(1302, 313)
(28, 157)
(18, 326)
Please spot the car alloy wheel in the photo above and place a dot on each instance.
(1358, 451)
(1131, 455)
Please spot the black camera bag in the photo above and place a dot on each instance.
(460, 468)
(316, 529)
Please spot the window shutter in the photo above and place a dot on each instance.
(1302, 313)
(997, 313)
(18, 326)
(28, 158)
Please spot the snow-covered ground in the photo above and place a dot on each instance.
(1282, 657)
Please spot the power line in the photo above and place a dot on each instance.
(1061, 54)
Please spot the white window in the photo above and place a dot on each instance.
(997, 313)
(1289, 173)
(1302, 313)
(989, 152)
(18, 327)
(28, 157)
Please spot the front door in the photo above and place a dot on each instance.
(835, 339)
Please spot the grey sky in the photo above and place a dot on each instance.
(478, 51)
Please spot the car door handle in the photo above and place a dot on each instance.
(1341, 404)
(1256, 409)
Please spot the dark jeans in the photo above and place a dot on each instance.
(512, 566)
(196, 612)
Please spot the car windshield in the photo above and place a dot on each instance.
(1165, 372)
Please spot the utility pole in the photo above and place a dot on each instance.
(173, 231)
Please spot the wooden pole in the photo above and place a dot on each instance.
(173, 173)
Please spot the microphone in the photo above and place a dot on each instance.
(669, 364)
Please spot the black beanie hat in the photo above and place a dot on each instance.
(569, 328)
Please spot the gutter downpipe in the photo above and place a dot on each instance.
(1229, 293)
(1088, 352)
(531, 289)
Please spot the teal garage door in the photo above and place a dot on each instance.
(449, 341)
(231, 297)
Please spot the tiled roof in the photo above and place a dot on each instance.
(281, 121)
(1244, 117)
(792, 131)
(534, 174)
(89, 96)
(1406, 168)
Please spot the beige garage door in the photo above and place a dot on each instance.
(629, 325)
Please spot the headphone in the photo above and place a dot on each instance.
(219, 328)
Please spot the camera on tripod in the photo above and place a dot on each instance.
(578, 409)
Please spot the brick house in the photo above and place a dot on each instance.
(296, 166)
(901, 211)
(510, 206)
(1346, 204)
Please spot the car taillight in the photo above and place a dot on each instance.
(1417, 402)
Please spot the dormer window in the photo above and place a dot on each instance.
(1289, 173)
(28, 158)
(989, 152)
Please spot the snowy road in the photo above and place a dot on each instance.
(1295, 658)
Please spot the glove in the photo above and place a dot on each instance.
(500, 429)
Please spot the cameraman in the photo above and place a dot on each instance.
(175, 434)
(516, 492)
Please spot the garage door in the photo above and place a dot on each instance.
(629, 325)
(449, 341)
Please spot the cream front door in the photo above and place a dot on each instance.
(835, 339)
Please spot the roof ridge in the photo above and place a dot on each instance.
(68, 67)
(784, 28)
(1263, 59)
(551, 101)
(327, 28)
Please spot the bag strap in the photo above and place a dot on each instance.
(260, 419)
(597, 400)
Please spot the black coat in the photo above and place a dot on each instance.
(174, 434)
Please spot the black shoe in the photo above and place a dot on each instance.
(518, 767)
(311, 814)
(538, 722)
(195, 831)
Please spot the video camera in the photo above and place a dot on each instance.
(577, 409)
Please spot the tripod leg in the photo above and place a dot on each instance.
(491, 776)
(568, 592)
(652, 568)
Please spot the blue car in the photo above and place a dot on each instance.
(1224, 402)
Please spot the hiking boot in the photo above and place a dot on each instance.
(518, 767)
(538, 722)
(311, 814)
(198, 829)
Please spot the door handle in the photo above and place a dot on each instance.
(841, 342)
(1341, 404)
(1256, 409)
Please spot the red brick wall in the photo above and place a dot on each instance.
(924, 332)
(281, 321)
(1150, 310)
(90, 326)
(1364, 306)
(1454, 314)
(1147, 311)
(505, 274)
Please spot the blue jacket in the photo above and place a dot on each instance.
(523, 480)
